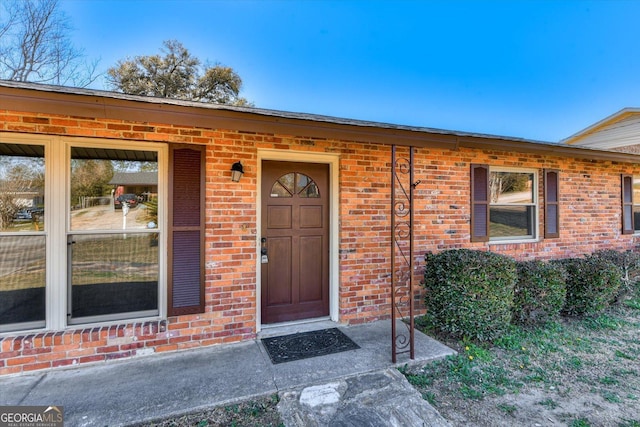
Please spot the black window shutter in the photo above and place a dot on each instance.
(627, 204)
(186, 230)
(479, 203)
(551, 204)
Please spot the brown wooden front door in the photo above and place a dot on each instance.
(295, 241)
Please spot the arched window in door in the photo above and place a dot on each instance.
(295, 184)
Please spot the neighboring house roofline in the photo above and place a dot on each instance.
(134, 178)
(38, 98)
(598, 126)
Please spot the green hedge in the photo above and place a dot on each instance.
(470, 293)
(592, 284)
(629, 264)
(476, 294)
(540, 292)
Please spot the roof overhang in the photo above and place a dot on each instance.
(47, 99)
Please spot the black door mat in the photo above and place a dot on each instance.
(304, 345)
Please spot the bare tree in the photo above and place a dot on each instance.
(19, 182)
(90, 178)
(35, 45)
(177, 74)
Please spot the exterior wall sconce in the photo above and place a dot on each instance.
(236, 171)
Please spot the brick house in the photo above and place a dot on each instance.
(304, 234)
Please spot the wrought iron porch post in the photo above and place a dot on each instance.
(402, 259)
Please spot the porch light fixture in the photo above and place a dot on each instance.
(236, 171)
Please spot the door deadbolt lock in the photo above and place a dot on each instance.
(264, 259)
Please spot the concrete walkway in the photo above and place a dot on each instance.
(337, 389)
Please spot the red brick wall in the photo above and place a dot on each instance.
(589, 220)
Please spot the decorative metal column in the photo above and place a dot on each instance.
(402, 264)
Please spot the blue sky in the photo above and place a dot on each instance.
(540, 69)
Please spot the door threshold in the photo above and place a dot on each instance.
(296, 326)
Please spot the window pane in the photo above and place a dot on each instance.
(511, 187)
(636, 190)
(21, 188)
(277, 190)
(22, 281)
(111, 193)
(113, 275)
(302, 181)
(305, 187)
(287, 182)
(511, 221)
(310, 192)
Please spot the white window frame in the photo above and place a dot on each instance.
(535, 204)
(11, 328)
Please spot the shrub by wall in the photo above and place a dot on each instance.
(469, 293)
(629, 264)
(592, 284)
(540, 292)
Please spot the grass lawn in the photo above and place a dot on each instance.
(572, 372)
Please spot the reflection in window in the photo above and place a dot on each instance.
(108, 193)
(295, 183)
(512, 209)
(22, 282)
(22, 257)
(21, 188)
(113, 276)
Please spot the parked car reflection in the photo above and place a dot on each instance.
(129, 199)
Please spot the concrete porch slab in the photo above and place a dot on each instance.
(158, 386)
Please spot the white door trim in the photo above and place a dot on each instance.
(333, 160)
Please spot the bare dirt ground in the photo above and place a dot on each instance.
(261, 412)
(107, 218)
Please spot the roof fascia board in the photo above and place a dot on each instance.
(582, 153)
(96, 106)
(110, 108)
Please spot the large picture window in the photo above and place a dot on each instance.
(81, 240)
